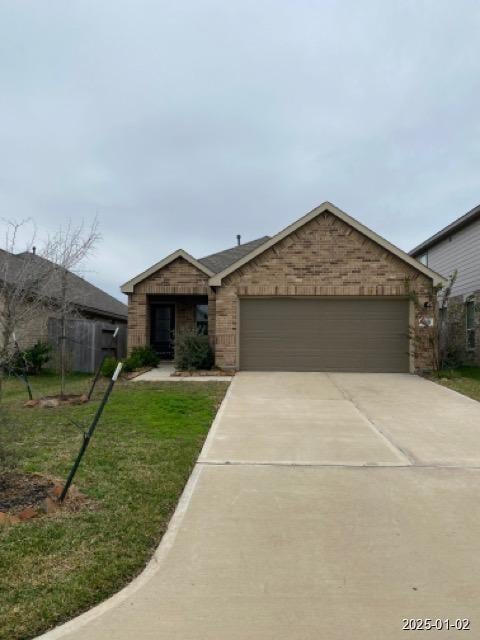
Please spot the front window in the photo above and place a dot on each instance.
(424, 259)
(201, 318)
(470, 322)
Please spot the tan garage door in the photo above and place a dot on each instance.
(320, 334)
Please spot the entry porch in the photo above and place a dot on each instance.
(169, 315)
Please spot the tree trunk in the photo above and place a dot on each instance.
(63, 355)
(63, 335)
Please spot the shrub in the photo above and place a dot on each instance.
(145, 356)
(108, 367)
(31, 360)
(37, 356)
(193, 351)
(139, 357)
(131, 363)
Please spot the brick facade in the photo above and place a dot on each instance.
(179, 278)
(325, 257)
(456, 330)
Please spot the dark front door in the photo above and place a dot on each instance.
(162, 329)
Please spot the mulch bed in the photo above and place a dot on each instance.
(24, 496)
(51, 402)
(20, 490)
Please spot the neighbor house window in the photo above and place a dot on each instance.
(424, 259)
(470, 317)
(201, 317)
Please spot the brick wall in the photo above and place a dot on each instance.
(324, 257)
(31, 328)
(455, 330)
(177, 278)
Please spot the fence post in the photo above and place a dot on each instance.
(99, 369)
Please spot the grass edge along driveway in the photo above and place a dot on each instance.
(134, 472)
(465, 380)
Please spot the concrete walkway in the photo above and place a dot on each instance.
(323, 506)
(164, 373)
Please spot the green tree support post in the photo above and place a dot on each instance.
(99, 370)
(88, 434)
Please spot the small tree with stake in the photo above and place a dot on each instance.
(67, 249)
(24, 287)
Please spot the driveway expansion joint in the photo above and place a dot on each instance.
(391, 442)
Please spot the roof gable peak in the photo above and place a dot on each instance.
(128, 287)
(325, 207)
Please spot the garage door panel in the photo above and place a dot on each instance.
(297, 334)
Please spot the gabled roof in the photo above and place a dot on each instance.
(216, 280)
(180, 253)
(82, 293)
(14, 267)
(217, 262)
(456, 225)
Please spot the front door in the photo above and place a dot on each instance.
(162, 329)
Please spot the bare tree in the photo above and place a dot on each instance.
(23, 286)
(66, 250)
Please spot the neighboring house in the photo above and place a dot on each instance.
(95, 316)
(457, 248)
(325, 294)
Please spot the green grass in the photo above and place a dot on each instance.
(134, 470)
(465, 380)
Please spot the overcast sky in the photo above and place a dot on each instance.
(181, 124)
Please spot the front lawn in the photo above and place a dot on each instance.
(465, 380)
(134, 471)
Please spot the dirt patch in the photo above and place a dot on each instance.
(24, 496)
(51, 402)
(19, 490)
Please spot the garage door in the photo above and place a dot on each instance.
(318, 334)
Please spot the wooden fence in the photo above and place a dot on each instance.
(88, 341)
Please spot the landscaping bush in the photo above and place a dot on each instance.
(130, 364)
(193, 351)
(108, 367)
(31, 360)
(145, 356)
(140, 357)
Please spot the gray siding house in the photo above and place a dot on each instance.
(456, 247)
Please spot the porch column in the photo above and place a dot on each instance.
(138, 320)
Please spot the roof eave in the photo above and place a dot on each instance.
(216, 280)
(464, 221)
(103, 312)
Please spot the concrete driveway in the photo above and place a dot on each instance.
(323, 506)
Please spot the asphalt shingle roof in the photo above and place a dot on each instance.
(456, 225)
(83, 293)
(217, 262)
